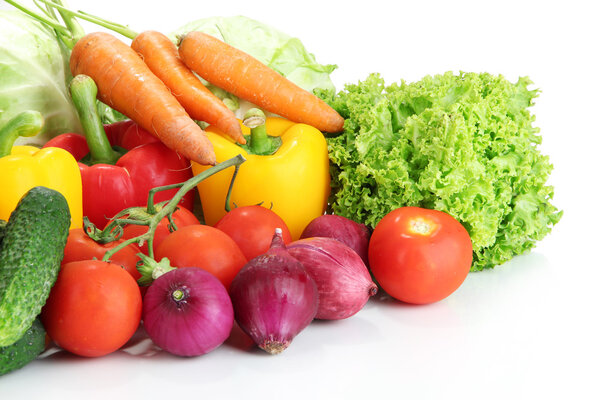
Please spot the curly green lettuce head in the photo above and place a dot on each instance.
(464, 144)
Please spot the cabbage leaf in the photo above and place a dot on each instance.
(34, 75)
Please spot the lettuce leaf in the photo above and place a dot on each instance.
(464, 144)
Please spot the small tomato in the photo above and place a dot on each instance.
(81, 247)
(252, 228)
(419, 255)
(205, 247)
(93, 309)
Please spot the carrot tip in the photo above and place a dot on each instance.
(210, 159)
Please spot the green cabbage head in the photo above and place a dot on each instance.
(34, 75)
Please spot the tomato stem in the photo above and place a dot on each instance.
(228, 197)
(152, 220)
(421, 226)
(150, 269)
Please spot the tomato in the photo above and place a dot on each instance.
(252, 228)
(418, 255)
(94, 308)
(205, 247)
(81, 247)
(181, 217)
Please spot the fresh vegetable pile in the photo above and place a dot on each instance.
(411, 187)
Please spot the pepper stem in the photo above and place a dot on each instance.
(26, 124)
(260, 143)
(83, 91)
(259, 140)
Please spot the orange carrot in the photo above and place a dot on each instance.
(161, 56)
(246, 77)
(126, 84)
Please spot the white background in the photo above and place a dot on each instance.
(527, 329)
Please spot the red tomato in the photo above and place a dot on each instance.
(420, 256)
(252, 228)
(182, 217)
(81, 247)
(205, 247)
(94, 308)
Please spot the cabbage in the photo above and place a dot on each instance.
(464, 144)
(34, 75)
(279, 51)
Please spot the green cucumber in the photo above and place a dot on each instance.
(30, 256)
(2, 229)
(23, 350)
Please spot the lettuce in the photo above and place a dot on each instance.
(34, 75)
(464, 144)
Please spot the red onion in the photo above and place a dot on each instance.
(341, 276)
(352, 234)
(273, 298)
(187, 312)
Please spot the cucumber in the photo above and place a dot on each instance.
(23, 350)
(2, 229)
(30, 256)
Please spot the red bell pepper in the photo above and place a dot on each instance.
(115, 178)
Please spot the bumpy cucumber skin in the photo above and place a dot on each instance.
(30, 256)
(23, 350)
(2, 229)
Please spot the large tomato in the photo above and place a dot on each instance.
(94, 308)
(419, 255)
(205, 247)
(81, 247)
(252, 228)
(181, 217)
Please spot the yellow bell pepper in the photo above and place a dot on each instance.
(294, 179)
(24, 167)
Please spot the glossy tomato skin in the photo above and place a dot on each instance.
(252, 228)
(182, 217)
(94, 308)
(420, 256)
(205, 247)
(81, 247)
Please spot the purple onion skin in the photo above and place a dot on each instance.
(274, 298)
(195, 324)
(342, 278)
(352, 234)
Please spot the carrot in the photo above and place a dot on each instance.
(127, 84)
(246, 77)
(161, 56)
